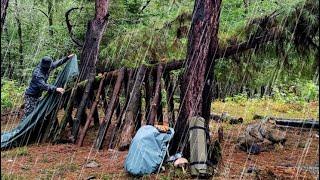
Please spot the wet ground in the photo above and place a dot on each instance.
(297, 159)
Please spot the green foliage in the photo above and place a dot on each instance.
(298, 91)
(239, 98)
(11, 94)
(267, 106)
(309, 91)
(143, 33)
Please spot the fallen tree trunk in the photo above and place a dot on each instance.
(132, 109)
(298, 123)
(292, 122)
(109, 112)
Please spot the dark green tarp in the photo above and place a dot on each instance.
(34, 125)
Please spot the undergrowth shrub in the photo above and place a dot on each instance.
(300, 92)
(11, 94)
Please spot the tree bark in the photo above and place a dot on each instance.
(202, 36)
(89, 56)
(114, 135)
(132, 110)
(95, 30)
(110, 110)
(81, 109)
(156, 97)
(147, 97)
(4, 6)
(169, 86)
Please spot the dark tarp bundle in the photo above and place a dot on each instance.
(33, 126)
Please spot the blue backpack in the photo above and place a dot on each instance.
(147, 150)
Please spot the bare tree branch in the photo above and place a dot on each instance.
(69, 26)
(42, 12)
(147, 3)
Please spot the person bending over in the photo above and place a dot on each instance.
(38, 83)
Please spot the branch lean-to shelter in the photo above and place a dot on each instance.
(35, 130)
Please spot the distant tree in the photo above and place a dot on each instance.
(4, 6)
(17, 17)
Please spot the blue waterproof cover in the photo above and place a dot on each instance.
(147, 150)
(32, 125)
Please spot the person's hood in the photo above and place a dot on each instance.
(46, 63)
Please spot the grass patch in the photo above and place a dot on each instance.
(59, 170)
(267, 107)
(5, 176)
(111, 176)
(20, 151)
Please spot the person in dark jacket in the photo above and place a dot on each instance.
(38, 83)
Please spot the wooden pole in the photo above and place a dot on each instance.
(109, 112)
(81, 108)
(169, 86)
(114, 138)
(132, 109)
(93, 109)
(67, 115)
(155, 99)
(147, 95)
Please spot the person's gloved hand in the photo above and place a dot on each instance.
(162, 128)
(60, 90)
(70, 56)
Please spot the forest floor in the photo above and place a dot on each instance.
(298, 158)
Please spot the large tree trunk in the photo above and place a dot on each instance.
(4, 6)
(202, 37)
(95, 30)
(89, 55)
